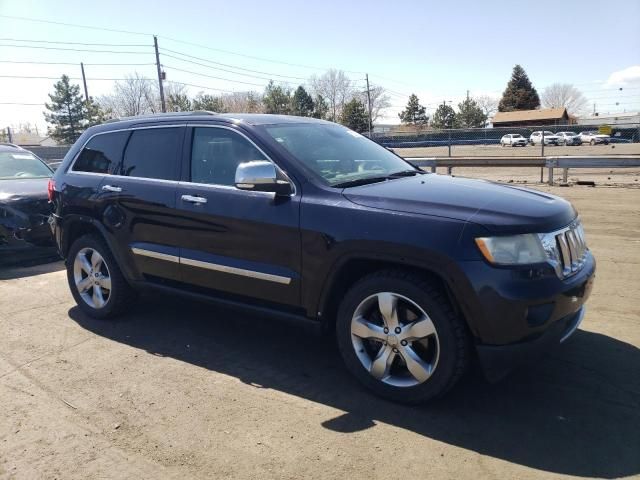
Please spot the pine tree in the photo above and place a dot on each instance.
(470, 115)
(414, 113)
(301, 103)
(444, 117)
(67, 112)
(519, 94)
(276, 99)
(95, 115)
(320, 108)
(178, 102)
(354, 116)
(208, 102)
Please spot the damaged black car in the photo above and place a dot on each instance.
(24, 207)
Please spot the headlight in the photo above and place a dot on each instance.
(513, 250)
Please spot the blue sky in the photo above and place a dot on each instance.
(435, 49)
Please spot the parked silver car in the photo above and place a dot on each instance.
(594, 138)
(568, 138)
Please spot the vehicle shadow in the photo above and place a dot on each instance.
(22, 268)
(577, 412)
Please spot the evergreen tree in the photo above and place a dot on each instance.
(354, 116)
(519, 94)
(301, 103)
(276, 99)
(444, 117)
(320, 108)
(208, 102)
(178, 102)
(470, 115)
(414, 113)
(95, 115)
(67, 112)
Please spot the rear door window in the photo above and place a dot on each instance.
(153, 153)
(102, 154)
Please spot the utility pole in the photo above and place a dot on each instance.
(467, 95)
(9, 135)
(368, 102)
(155, 45)
(84, 82)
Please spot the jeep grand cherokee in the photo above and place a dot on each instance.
(419, 274)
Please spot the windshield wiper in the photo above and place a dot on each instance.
(364, 181)
(406, 173)
(360, 181)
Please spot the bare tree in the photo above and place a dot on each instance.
(136, 95)
(488, 104)
(379, 101)
(336, 89)
(564, 95)
(242, 102)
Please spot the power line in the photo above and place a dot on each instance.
(76, 43)
(162, 50)
(211, 76)
(75, 63)
(252, 56)
(223, 70)
(26, 19)
(76, 49)
(28, 77)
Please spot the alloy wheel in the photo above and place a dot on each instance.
(92, 278)
(395, 340)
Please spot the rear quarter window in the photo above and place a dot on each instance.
(102, 154)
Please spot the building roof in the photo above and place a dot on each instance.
(530, 115)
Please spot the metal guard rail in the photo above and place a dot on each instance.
(550, 163)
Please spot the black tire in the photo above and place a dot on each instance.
(592, 142)
(120, 296)
(453, 338)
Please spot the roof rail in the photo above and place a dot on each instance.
(161, 115)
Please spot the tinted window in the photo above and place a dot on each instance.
(102, 154)
(152, 153)
(216, 154)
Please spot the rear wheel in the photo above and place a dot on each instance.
(399, 336)
(95, 279)
(592, 142)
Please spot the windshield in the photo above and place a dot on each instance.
(546, 132)
(517, 136)
(337, 154)
(14, 165)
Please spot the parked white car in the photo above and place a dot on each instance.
(568, 138)
(549, 138)
(513, 139)
(594, 138)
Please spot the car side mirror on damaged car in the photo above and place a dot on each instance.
(262, 176)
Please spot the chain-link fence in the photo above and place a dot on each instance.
(534, 140)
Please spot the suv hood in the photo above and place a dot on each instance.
(500, 208)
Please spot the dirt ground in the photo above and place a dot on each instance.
(184, 390)
(528, 151)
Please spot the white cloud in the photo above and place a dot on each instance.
(625, 77)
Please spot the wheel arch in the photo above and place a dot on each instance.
(76, 226)
(348, 270)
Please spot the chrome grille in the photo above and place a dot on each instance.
(572, 249)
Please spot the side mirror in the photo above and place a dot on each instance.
(261, 176)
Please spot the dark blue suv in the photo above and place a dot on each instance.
(419, 274)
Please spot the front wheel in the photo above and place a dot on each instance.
(399, 336)
(95, 279)
(592, 142)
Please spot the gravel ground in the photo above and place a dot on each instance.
(185, 390)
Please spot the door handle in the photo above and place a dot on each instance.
(193, 199)
(111, 188)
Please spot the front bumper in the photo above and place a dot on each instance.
(520, 312)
